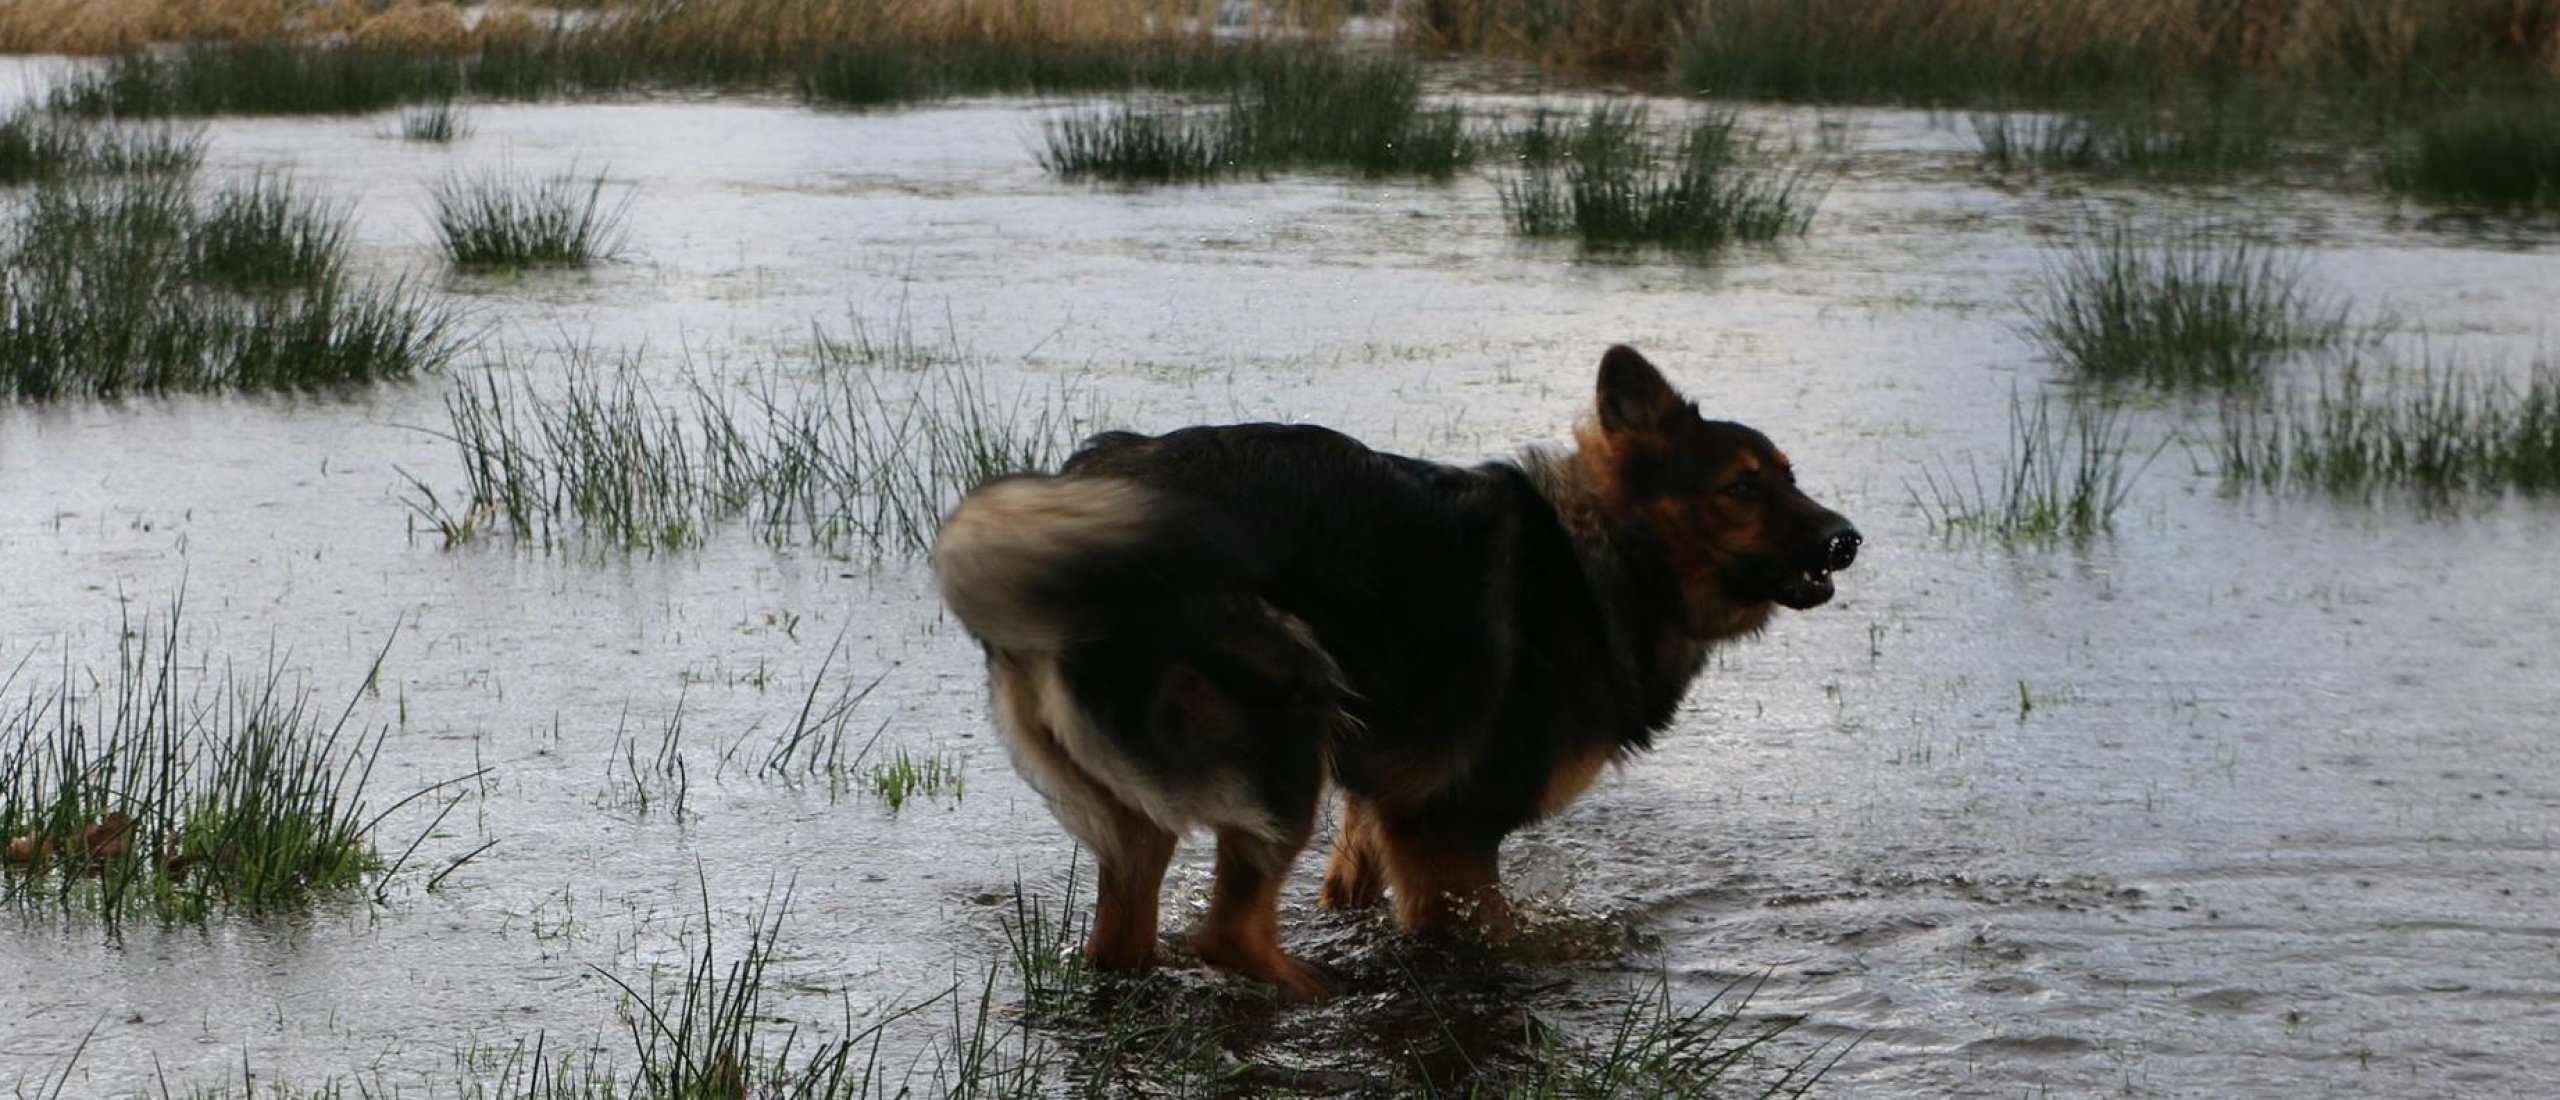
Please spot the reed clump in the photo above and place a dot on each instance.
(160, 789)
(125, 285)
(2062, 478)
(854, 458)
(2199, 307)
(264, 235)
(436, 124)
(1294, 110)
(505, 220)
(2186, 136)
(1607, 180)
(2496, 153)
(2431, 429)
(258, 77)
(38, 146)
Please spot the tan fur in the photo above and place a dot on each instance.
(1574, 774)
(1437, 887)
(1004, 539)
(1090, 784)
(1355, 875)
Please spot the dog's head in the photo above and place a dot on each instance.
(1717, 497)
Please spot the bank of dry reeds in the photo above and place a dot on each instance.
(785, 28)
(1937, 50)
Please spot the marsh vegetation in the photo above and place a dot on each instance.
(655, 490)
(2190, 307)
(849, 456)
(131, 283)
(505, 220)
(1609, 181)
(154, 789)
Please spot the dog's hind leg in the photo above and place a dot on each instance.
(1242, 930)
(1355, 878)
(1131, 849)
(1130, 880)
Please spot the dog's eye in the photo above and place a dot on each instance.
(1743, 492)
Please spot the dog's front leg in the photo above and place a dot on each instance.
(1355, 877)
(1442, 881)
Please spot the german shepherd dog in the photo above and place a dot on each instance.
(1198, 629)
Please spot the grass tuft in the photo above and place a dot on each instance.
(854, 459)
(158, 789)
(2201, 308)
(1296, 110)
(2211, 136)
(117, 285)
(903, 776)
(2501, 154)
(1605, 182)
(438, 123)
(1138, 144)
(259, 77)
(2059, 481)
(2433, 430)
(504, 221)
(262, 235)
(36, 147)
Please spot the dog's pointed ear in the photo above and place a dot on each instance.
(1633, 395)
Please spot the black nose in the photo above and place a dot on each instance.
(1842, 548)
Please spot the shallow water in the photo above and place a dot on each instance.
(2279, 821)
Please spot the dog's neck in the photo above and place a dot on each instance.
(1657, 655)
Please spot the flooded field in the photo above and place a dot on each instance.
(2254, 795)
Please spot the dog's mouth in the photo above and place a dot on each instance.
(1806, 591)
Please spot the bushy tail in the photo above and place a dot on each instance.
(1040, 564)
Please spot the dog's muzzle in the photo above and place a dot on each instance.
(1813, 589)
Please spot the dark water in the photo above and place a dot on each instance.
(2278, 821)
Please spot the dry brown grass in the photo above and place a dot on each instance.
(107, 26)
(2102, 43)
(783, 26)
(1773, 46)
(798, 26)
(414, 26)
(1611, 34)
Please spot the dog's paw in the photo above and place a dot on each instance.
(1267, 963)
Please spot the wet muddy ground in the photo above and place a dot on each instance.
(2256, 796)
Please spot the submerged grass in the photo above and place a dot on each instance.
(850, 459)
(2432, 429)
(2059, 481)
(903, 776)
(161, 790)
(1297, 109)
(1606, 181)
(2500, 154)
(503, 220)
(2200, 307)
(126, 284)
